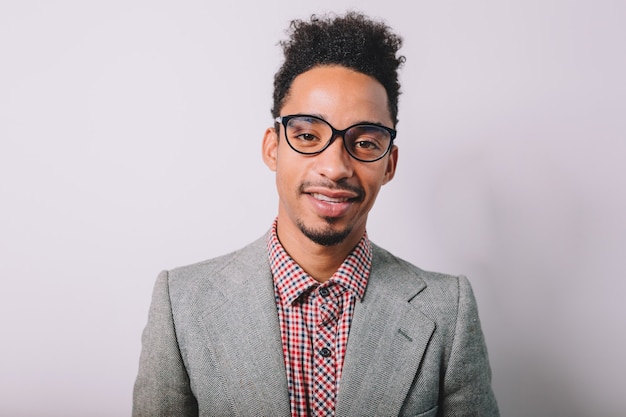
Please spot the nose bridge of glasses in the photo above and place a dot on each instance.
(334, 134)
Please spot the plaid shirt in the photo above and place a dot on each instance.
(314, 323)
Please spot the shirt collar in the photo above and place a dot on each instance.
(291, 281)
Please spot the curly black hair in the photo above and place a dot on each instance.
(353, 41)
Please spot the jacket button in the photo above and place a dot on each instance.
(325, 352)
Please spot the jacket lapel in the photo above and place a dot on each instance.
(388, 338)
(244, 336)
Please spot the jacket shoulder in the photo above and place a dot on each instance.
(217, 276)
(392, 266)
(243, 258)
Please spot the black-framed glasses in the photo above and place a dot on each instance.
(311, 135)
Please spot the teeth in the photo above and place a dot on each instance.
(329, 199)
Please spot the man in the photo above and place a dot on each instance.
(313, 319)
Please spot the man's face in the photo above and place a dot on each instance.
(327, 197)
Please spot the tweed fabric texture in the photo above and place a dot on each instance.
(212, 345)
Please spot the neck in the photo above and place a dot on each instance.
(319, 261)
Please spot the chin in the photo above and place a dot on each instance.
(325, 236)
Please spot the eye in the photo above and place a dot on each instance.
(366, 145)
(305, 131)
(306, 137)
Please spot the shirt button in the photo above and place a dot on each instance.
(324, 292)
(325, 352)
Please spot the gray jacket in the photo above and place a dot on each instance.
(212, 345)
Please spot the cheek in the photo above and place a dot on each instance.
(372, 178)
(290, 166)
(287, 173)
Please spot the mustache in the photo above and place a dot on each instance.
(341, 185)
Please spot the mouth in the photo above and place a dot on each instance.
(332, 201)
(329, 199)
(339, 192)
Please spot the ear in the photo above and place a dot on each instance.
(270, 148)
(392, 161)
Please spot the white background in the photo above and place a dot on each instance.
(130, 140)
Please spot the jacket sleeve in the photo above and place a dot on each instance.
(467, 384)
(162, 386)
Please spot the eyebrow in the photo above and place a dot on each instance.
(362, 122)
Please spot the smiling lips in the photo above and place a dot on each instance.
(330, 199)
(331, 203)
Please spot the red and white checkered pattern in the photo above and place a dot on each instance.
(314, 322)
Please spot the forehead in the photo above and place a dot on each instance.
(339, 95)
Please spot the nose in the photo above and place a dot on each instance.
(335, 163)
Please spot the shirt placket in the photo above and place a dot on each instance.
(325, 355)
